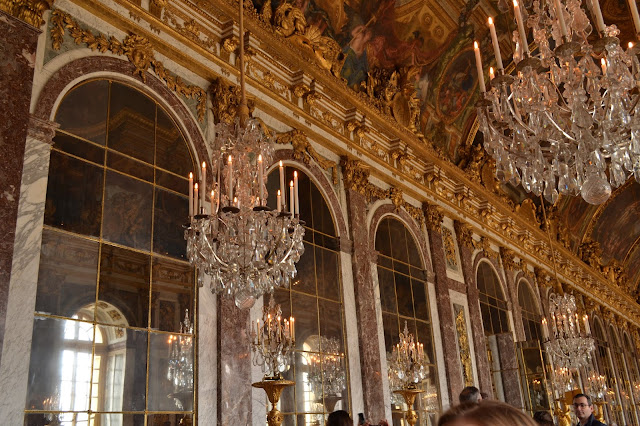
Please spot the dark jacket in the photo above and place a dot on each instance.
(592, 422)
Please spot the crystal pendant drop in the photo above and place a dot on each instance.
(595, 189)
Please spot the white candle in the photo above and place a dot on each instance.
(190, 195)
(291, 200)
(203, 185)
(293, 329)
(521, 31)
(230, 179)
(595, 6)
(545, 329)
(279, 198)
(577, 324)
(491, 74)
(213, 196)
(282, 181)
(603, 65)
(260, 178)
(496, 46)
(219, 186)
(295, 187)
(476, 49)
(195, 198)
(634, 13)
(560, 14)
(587, 328)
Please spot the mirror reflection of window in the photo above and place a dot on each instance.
(114, 286)
(319, 365)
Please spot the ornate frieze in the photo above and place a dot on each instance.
(29, 11)
(464, 232)
(303, 151)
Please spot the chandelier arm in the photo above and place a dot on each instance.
(516, 115)
(552, 121)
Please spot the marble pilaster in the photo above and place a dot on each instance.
(17, 62)
(512, 288)
(370, 362)
(447, 327)
(14, 370)
(234, 364)
(475, 316)
(509, 367)
(207, 356)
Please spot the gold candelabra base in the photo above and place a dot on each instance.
(273, 389)
(599, 412)
(409, 395)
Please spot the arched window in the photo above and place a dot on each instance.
(495, 320)
(315, 300)
(114, 287)
(530, 313)
(604, 363)
(404, 299)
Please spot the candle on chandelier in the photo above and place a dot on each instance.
(293, 330)
(282, 182)
(291, 200)
(190, 195)
(279, 201)
(492, 73)
(203, 186)
(577, 324)
(230, 179)
(496, 45)
(521, 31)
(476, 50)
(603, 65)
(634, 13)
(213, 196)
(297, 196)
(595, 6)
(218, 186)
(260, 178)
(587, 328)
(560, 14)
(545, 329)
(195, 198)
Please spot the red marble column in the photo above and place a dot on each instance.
(509, 367)
(475, 316)
(19, 42)
(452, 363)
(370, 363)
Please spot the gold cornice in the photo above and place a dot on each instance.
(29, 11)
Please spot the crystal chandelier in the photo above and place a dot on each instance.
(273, 341)
(568, 119)
(567, 337)
(407, 362)
(563, 379)
(180, 370)
(246, 248)
(327, 377)
(597, 386)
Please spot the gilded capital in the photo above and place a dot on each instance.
(508, 259)
(29, 11)
(355, 174)
(433, 216)
(464, 233)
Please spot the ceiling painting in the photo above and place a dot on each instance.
(574, 214)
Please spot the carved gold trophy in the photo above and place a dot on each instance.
(407, 370)
(272, 343)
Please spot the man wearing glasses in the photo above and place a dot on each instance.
(583, 410)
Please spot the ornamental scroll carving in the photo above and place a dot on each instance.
(464, 234)
(225, 100)
(29, 11)
(463, 345)
(138, 49)
(449, 246)
(433, 216)
(304, 151)
(508, 259)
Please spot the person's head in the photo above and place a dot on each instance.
(543, 418)
(489, 413)
(582, 407)
(470, 394)
(339, 418)
(484, 395)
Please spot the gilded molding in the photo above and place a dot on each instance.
(136, 48)
(355, 175)
(464, 232)
(463, 346)
(303, 151)
(449, 246)
(485, 245)
(29, 11)
(433, 216)
(225, 101)
(590, 252)
(508, 259)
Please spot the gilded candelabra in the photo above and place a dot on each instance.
(407, 370)
(272, 343)
(598, 389)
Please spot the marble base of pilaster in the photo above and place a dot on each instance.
(509, 367)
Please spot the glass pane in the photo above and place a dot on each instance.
(74, 207)
(328, 280)
(83, 111)
(169, 419)
(383, 242)
(127, 211)
(172, 152)
(172, 295)
(68, 274)
(129, 166)
(132, 119)
(79, 148)
(306, 279)
(424, 337)
(420, 299)
(399, 241)
(331, 322)
(287, 398)
(391, 330)
(305, 313)
(124, 283)
(123, 363)
(122, 420)
(403, 290)
(281, 297)
(307, 401)
(171, 212)
(60, 365)
(414, 253)
(304, 191)
(322, 220)
(170, 372)
(175, 183)
(387, 290)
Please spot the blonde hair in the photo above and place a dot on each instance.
(486, 413)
